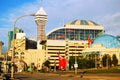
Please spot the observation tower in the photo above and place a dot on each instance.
(41, 19)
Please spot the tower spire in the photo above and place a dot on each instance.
(41, 19)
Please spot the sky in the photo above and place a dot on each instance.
(60, 12)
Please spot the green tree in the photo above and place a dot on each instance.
(72, 61)
(47, 63)
(90, 63)
(83, 63)
(86, 63)
(114, 60)
(106, 59)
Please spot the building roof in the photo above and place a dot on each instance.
(107, 41)
(41, 15)
(80, 24)
(83, 22)
(41, 11)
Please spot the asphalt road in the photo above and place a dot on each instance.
(63, 76)
(47, 77)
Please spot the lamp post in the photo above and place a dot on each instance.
(13, 47)
(40, 16)
(76, 65)
(107, 61)
(96, 59)
(67, 54)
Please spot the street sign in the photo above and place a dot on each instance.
(76, 65)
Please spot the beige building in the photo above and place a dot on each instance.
(64, 48)
(27, 56)
(105, 44)
(34, 56)
(69, 40)
(102, 50)
(1, 44)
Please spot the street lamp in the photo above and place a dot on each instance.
(107, 61)
(76, 65)
(67, 54)
(40, 19)
(13, 47)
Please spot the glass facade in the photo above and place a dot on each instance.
(10, 35)
(71, 39)
(84, 22)
(73, 34)
(107, 41)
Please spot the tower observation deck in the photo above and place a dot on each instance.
(41, 19)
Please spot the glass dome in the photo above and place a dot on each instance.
(107, 41)
(83, 22)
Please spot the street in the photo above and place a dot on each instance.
(44, 76)
(64, 76)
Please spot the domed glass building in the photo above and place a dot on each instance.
(107, 41)
(105, 44)
(76, 30)
(72, 38)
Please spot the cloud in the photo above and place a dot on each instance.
(4, 35)
(115, 17)
(26, 23)
(60, 12)
(111, 23)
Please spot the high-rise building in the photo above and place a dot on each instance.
(10, 35)
(10, 38)
(41, 19)
(17, 30)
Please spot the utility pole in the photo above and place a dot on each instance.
(107, 62)
(75, 65)
(67, 55)
(13, 45)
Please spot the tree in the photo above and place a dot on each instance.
(114, 60)
(71, 62)
(106, 59)
(47, 63)
(83, 63)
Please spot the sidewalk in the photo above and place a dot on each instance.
(105, 76)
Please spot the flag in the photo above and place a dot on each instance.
(62, 62)
(69, 30)
(61, 36)
(90, 41)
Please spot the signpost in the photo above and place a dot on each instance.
(75, 66)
